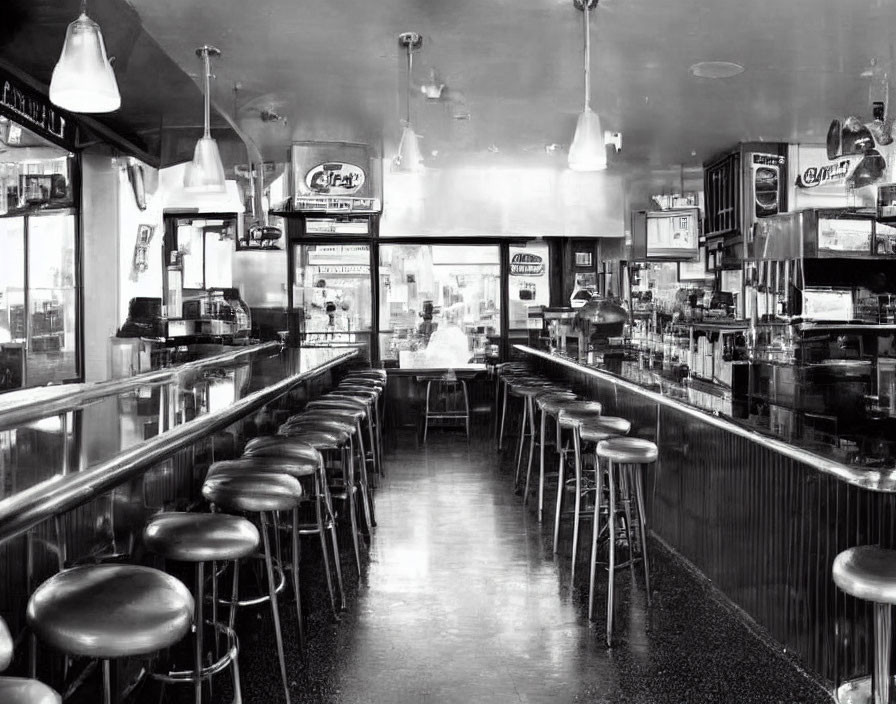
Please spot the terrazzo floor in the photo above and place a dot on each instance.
(461, 600)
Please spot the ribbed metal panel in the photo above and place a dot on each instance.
(763, 527)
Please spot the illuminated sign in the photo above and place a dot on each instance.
(335, 178)
(834, 172)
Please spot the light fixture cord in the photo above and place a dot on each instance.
(208, 70)
(407, 96)
(83, 7)
(586, 9)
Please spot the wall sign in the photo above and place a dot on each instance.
(526, 264)
(34, 110)
(335, 178)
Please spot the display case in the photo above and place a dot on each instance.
(742, 186)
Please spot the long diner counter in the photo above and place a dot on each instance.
(79, 476)
(760, 517)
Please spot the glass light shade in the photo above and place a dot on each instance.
(588, 152)
(83, 80)
(409, 158)
(206, 172)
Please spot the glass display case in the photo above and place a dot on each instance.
(332, 289)
(439, 304)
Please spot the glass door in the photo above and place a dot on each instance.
(332, 293)
(52, 299)
(13, 321)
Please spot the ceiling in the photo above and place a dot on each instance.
(335, 70)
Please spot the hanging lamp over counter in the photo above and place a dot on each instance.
(409, 159)
(588, 151)
(206, 172)
(83, 80)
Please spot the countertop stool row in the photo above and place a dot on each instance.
(281, 485)
(581, 431)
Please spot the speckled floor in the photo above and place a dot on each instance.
(462, 601)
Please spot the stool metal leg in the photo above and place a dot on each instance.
(530, 404)
(295, 578)
(198, 624)
(107, 682)
(503, 417)
(595, 534)
(577, 449)
(561, 480)
(275, 610)
(611, 518)
(426, 412)
(519, 452)
(543, 430)
(882, 642)
(642, 522)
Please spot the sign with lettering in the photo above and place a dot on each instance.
(335, 178)
(526, 264)
(33, 110)
(822, 174)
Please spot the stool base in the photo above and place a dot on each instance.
(858, 691)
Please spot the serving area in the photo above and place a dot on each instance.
(83, 472)
(762, 518)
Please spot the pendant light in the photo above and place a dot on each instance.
(83, 80)
(206, 172)
(587, 152)
(409, 159)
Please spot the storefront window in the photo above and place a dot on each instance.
(38, 261)
(452, 290)
(51, 299)
(332, 288)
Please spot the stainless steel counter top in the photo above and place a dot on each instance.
(871, 478)
(120, 437)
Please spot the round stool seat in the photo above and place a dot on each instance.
(260, 491)
(551, 402)
(200, 537)
(280, 446)
(573, 413)
(20, 690)
(323, 419)
(339, 431)
(378, 384)
(354, 396)
(867, 572)
(599, 428)
(318, 438)
(526, 391)
(248, 465)
(577, 405)
(346, 409)
(627, 450)
(356, 392)
(110, 611)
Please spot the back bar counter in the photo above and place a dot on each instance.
(81, 468)
(761, 518)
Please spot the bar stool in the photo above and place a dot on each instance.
(548, 406)
(20, 690)
(300, 460)
(868, 572)
(348, 421)
(635, 454)
(330, 437)
(527, 389)
(371, 396)
(110, 611)
(199, 538)
(504, 374)
(356, 412)
(368, 401)
(567, 422)
(587, 427)
(263, 493)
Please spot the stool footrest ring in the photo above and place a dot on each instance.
(180, 676)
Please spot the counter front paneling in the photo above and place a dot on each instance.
(761, 518)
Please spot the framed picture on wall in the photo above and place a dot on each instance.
(584, 259)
